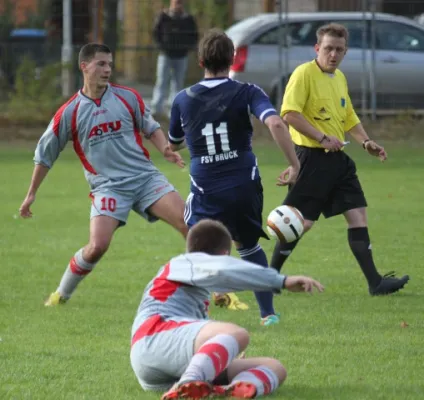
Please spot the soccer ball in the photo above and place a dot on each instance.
(285, 223)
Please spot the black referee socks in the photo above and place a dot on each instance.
(359, 242)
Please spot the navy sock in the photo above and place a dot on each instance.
(265, 299)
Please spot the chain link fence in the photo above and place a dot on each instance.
(383, 65)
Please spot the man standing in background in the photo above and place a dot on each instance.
(175, 33)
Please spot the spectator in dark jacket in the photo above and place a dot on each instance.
(175, 33)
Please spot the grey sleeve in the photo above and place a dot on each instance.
(227, 274)
(52, 142)
(145, 121)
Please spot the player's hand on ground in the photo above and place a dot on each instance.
(24, 210)
(331, 143)
(173, 157)
(288, 176)
(376, 150)
(302, 284)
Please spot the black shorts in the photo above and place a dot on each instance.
(327, 184)
(239, 209)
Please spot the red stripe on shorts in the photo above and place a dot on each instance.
(155, 325)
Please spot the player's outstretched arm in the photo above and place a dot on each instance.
(159, 141)
(51, 143)
(229, 274)
(302, 284)
(38, 175)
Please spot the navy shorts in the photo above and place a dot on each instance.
(239, 209)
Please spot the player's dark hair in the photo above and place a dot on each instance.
(334, 30)
(208, 236)
(88, 51)
(216, 51)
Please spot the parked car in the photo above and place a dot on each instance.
(399, 53)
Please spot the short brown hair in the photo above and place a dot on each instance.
(88, 51)
(209, 236)
(334, 30)
(216, 51)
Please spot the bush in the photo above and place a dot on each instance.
(37, 94)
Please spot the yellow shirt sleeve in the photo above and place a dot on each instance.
(351, 118)
(296, 93)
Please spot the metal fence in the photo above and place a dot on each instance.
(384, 64)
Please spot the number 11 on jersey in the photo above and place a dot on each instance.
(211, 133)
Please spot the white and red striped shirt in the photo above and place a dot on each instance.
(180, 292)
(106, 135)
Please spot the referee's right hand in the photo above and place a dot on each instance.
(331, 143)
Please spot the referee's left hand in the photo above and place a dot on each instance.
(288, 176)
(376, 150)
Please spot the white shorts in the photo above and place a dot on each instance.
(160, 360)
(117, 202)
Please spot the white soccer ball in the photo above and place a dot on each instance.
(285, 223)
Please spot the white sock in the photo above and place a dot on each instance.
(211, 359)
(76, 271)
(264, 379)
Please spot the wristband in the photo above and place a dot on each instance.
(365, 142)
(323, 138)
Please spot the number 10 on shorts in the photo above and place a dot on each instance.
(108, 204)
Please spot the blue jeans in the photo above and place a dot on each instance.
(168, 71)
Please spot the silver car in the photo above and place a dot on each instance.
(398, 56)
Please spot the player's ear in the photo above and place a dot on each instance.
(201, 64)
(316, 47)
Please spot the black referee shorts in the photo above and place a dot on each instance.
(327, 184)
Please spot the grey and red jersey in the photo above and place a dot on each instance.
(182, 288)
(107, 136)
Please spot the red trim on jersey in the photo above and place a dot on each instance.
(137, 134)
(162, 288)
(77, 145)
(58, 116)
(154, 325)
(76, 269)
(263, 377)
(133, 91)
(218, 354)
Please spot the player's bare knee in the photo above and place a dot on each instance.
(95, 250)
(241, 335)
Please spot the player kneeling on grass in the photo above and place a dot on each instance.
(175, 346)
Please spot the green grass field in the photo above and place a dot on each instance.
(341, 344)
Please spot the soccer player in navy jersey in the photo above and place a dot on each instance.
(213, 119)
(107, 124)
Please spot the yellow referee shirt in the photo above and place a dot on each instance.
(323, 100)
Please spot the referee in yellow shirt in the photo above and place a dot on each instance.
(318, 109)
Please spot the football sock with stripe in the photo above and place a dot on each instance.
(211, 359)
(76, 271)
(265, 299)
(359, 242)
(263, 378)
(281, 253)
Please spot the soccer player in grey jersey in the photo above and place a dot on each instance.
(175, 347)
(106, 124)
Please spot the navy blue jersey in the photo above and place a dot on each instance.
(213, 117)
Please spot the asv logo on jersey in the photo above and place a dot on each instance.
(103, 129)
